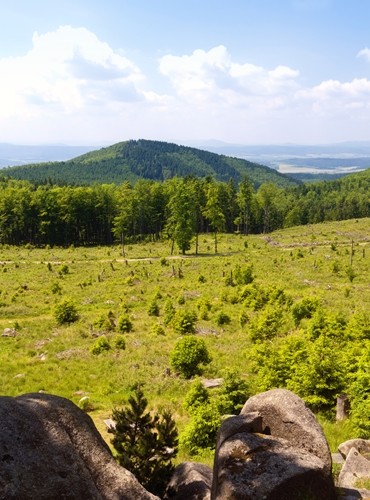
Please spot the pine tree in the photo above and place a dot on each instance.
(145, 443)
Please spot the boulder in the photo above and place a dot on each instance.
(355, 468)
(285, 415)
(274, 450)
(190, 481)
(49, 448)
(262, 467)
(361, 445)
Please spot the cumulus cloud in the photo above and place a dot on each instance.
(66, 70)
(336, 98)
(71, 84)
(212, 76)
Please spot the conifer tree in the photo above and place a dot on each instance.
(145, 443)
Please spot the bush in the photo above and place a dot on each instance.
(124, 324)
(188, 354)
(153, 309)
(197, 396)
(66, 312)
(304, 309)
(184, 322)
(202, 430)
(101, 345)
(222, 319)
(120, 342)
(233, 394)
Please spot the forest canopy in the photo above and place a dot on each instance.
(178, 209)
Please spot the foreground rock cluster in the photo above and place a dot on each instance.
(273, 450)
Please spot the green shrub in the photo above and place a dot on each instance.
(304, 309)
(196, 396)
(189, 353)
(105, 322)
(184, 322)
(233, 394)
(66, 312)
(120, 342)
(101, 345)
(153, 309)
(124, 324)
(158, 330)
(169, 312)
(222, 319)
(56, 288)
(202, 430)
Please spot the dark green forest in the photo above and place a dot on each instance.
(143, 159)
(178, 209)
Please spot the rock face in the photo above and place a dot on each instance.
(190, 481)
(355, 468)
(50, 449)
(361, 445)
(274, 450)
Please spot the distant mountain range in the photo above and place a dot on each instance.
(133, 160)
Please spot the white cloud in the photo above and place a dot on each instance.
(66, 70)
(334, 98)
(71, 85)
(209, 77)
(364, 53)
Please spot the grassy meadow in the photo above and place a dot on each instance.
(328, 261)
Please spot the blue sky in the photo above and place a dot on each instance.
(241, 71)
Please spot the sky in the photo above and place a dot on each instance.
(96, 72)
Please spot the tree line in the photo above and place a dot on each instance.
(178, 209)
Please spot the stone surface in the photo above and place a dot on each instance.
(361, 445)
(261, 467)
(355, 468)
(274, 450)
(285, 415)
(190, 481)
(49, 449)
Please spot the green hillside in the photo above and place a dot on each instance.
(143, 159)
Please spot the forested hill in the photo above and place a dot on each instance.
(144, 159)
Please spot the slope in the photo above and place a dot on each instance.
(135, 159)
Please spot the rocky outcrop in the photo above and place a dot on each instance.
(274, 450)
(50, 449)
(285, 415)
(190, 481)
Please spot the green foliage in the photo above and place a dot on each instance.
(304, 309)
(56, 288)
(188, 354)
(201, 432)
(169, 312)
(145, 443)
(222, 319)
(233, 394)
(158, 330)
(196, 396)
(243, 276)
(105, 322)
(266, 325)
(153, 309)
(101, 345)
(66, 312)
(125, 324)
(184, 321)
(319, 378)
(120, 342)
